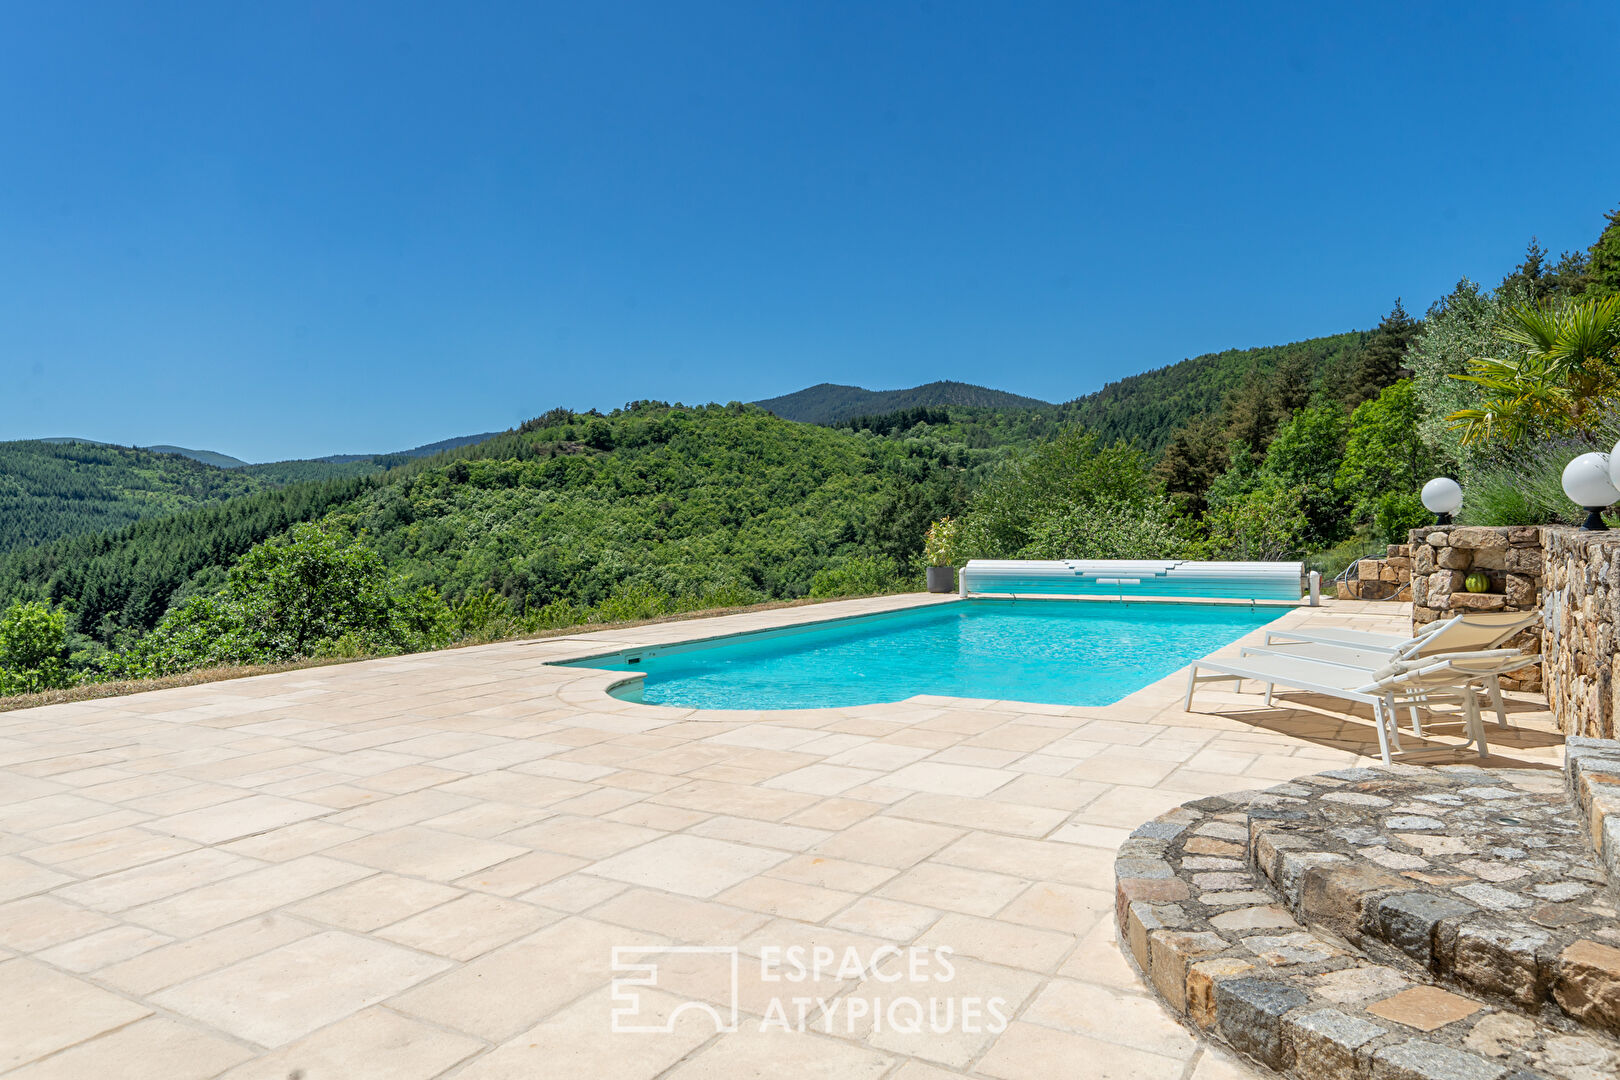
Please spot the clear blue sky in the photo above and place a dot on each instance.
(312, 228)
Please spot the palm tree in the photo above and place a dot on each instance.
(1565, 359)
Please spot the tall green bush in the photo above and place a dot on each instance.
(33, 648)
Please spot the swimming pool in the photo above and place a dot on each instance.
(1049, 651)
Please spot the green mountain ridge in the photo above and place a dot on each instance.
(829, 403)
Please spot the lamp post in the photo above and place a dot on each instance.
(1442, 496)
(1587, 483)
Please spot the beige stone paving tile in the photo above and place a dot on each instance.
(109, 852)
(503, 755)
(734, 799)
(998, 942)
(751, 1052)
(878, 793)
(19, 878)
(1098, 960)
(824, 779)
(964, 721)
(408, 778)
(830, 873)
(970, 1024)
(572, 1044)
(40, 922)
(582, 837)
(486, 820)
(985, 756)
(978, 814)
(575, 893)
(1023, 737)
(100, 949)
(336, 974)
(1139, 1022)
(1118, 732)
(233, 820)
(949, 779)
(653, 816)
(372, 902)
(888, 841)
(522, 789)
(680, 918)
(1032, 1052)
(1072, 909)
(972, 892)
(788, 899)
(293, 841)
(156, 1048)
(374, 1044)
(644, 782)
(1122, 768)
(1214, 1064)
(507, 990)
(1052, 792)
(469, 926)
(1108, 837)
(343, 797)
(211, 906)
(892, 919)
(88, 828)
(188, 959)
(917, 1070)
(693, 865)
(1219, 760)
(522, 874)
(563, 770)
(397, 811)
(1043, 859)
(421, 852)
(598, 802)
(1127, 807)
(43, 1011)
(33, 815)
(762, 833)
(883, 756)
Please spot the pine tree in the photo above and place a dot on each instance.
(1603, 263)
(1382, 361)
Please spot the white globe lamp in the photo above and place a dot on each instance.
(1442, 496)
(1587, 483)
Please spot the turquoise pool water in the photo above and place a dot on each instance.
(1053, 651)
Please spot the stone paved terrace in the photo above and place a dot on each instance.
(419, 866)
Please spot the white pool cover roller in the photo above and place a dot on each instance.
(1128, 578)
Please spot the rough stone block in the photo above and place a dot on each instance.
(1249, 1015)
(1479, 601)
(1437, 540)
(1478, 536)
(1455, 558)
(1201, 980)
(1587, 983)
(1500, 958)
(1525, 561)
(1337, 894)
(1128, 891)
(1173, 952)
(1419, 1059)
(1325, 1043)
(1443, 582)
(1520, 590)
(1369, 569)
(1408, 921)
(1490, 559)
(1140, 922)
(1423, 559)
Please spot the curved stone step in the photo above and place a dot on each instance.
(1302, 928)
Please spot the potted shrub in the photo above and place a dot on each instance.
(939, 552)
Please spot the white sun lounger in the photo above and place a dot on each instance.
(1369, 661)
(1469, 632)
(1419, 684)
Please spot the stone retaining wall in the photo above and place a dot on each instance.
(1578, 612)
(1444, 555)
(1389, 578)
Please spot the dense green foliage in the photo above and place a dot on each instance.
(33, 649)
(314, 591)
(829, 403)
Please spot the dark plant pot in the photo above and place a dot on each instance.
(942, 579)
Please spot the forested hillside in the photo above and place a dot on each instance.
(829, 403)
(648, 510)
(51, 489)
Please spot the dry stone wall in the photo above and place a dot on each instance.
(1513, 562)
(1578, 612)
